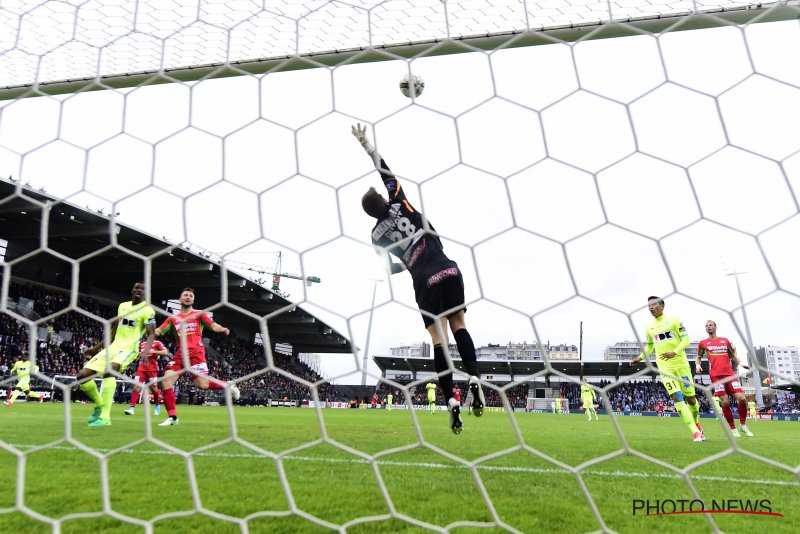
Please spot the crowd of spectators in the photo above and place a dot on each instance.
(56, 354)
(635, 396)
(788, 403)
(517, 395)
(60, 352)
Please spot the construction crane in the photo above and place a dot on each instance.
(275, 272)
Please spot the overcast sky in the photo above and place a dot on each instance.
(568, 182)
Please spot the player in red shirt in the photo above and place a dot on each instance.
(188, 327)
(457, 394)
(720, 351)
(147, 373)
(660, 409)
(375, 400)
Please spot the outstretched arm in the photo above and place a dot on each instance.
(732, 355)
(389, 179)
(219, 329)
(360, 132)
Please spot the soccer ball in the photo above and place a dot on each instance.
(412, 85)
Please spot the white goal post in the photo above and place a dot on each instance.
(548, 405)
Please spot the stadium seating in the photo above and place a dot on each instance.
(637, 396)
(61, 354)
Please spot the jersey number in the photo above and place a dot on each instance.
(404, 226)
(671, 383)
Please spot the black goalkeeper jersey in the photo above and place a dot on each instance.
(403, 232)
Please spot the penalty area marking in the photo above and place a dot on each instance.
(432, 465)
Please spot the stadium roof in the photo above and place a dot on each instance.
(517, 369)
(108, 271)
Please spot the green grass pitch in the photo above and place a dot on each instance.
(280, 469)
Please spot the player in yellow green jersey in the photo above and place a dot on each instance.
(588, 398)
(667, 336)
(134, 318)
(389, 400)
(751, 407)
(23, 369)
(431, 387)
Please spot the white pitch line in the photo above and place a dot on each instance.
(429, 465)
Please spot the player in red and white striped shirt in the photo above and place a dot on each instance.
(720, 351)
(147, 373)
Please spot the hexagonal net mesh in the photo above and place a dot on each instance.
(575, 156)
(61, 46)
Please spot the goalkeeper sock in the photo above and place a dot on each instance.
(134, 398)
(14, 396)
(33, 395)
(169, 402)
(686, 416)
(743, 413)
(107, 394)
(728, 413)
(466, 349)
(695, 410)
(90, 388)
(440, 364)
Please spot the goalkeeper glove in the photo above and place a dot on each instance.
(360, 133)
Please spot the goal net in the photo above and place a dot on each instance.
(575, 156)
(551, 404)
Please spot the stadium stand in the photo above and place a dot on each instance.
(634, 396)
(517, 395)
(59, 351)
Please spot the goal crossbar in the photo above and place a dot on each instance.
(582, 30)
